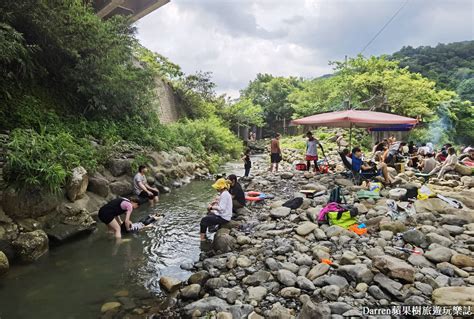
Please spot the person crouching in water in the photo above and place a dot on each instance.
(312, 151)
(110, 213)
(220, 210)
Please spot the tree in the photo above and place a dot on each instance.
(243, 113)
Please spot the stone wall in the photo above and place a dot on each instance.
(168, 107)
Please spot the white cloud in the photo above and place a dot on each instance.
(236, 39)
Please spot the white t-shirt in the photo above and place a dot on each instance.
(136, 180)
(224, 206)
(312, 147)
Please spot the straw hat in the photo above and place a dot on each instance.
(221, 184)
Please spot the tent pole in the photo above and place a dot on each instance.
(350, 136)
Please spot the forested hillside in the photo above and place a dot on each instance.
(75, 88)
(451, 65)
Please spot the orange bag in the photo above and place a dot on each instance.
(359, 231)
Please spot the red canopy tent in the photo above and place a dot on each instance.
(356, 118)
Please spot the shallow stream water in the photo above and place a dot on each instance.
(73, 280)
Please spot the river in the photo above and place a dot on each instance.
(76, 278)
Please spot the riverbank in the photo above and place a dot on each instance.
(32, 219)
(276, 268)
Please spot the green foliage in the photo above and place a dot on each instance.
(243, 113)
(158, 63)
(446, 64)
(271, 93)
(466, 90)
(85, 61)
(46, 159)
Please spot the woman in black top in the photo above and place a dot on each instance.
(110, 213)
(238, 195)
(248, 163)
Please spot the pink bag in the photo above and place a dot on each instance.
(330, 207)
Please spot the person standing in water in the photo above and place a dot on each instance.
(110, 213)
(312, 151)
(275, 153)
(142, 189)
(247, 162)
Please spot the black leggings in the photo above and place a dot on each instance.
(308, 165)
(210, 220)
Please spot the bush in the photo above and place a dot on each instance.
(46, 159)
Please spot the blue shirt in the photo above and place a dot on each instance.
(356, 163)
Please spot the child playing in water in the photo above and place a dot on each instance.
(145, 222)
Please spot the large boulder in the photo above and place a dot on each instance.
(394, 267)
(454, 296)
(4, 265)
(77, 185)
(206, 305)
(121, 188)
(280, 212)
(223, 242)
(72, 225)
(462, 261)
(463, 170)
(98, 185)
(439, 254)
(305, 228)
(31, 246)
(119, 166)
(31, 202)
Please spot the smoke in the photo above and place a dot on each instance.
(441, 129)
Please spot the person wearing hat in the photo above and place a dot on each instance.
(220, 210)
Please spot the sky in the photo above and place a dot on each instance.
(237, 39)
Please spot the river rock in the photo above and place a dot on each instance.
(306, 228)
(331, 292)
(349, 258)
(121, 187)
(419, 261)
(286, 277)
(241, 311)
(280, 212)
(224, 315)
(310, 310)
(243, 261)
(170, 284)
(31, 246)
(391, 286)
(358, 273)
(287, 175)
(119, 166)
(223, 242)
(394, 226)
(98, 185)
(215, 283)
(462, 261)
(397, 193)
(191, 292)
(317, 271)
(290, 292)
(305, 283)
(243, 240)
(438, 239)
(257, 293)
(453, 296)
(109, 306)
(439, 254)
(199, 277)
(4, 264)
(77, 184)
(279, 312)
(344, 182)
(257, 278)
(394, 268)
(377, 293)
(29, 202)
(415, 237)
(207, 304)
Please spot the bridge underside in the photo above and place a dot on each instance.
(135, 9)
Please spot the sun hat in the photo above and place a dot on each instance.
(221, 184)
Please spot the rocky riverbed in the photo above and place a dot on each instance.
(274, 269)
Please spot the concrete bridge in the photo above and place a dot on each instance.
(135, 9)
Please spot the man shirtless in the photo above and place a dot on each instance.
(275, 151)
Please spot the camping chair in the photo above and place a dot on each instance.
(348, 173)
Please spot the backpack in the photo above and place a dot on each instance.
(336, 195)
(344, 219)
(293, 203)
(335, 208)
